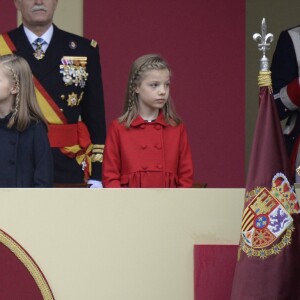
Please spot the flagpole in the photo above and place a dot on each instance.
(268, 265)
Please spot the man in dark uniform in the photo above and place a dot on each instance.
(68, 84)
(285, 70)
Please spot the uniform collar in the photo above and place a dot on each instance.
(46, 36)
(159, 120)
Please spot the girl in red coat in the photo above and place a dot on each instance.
(147, 147)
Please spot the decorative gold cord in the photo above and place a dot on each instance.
(29, 264)
(264, 79)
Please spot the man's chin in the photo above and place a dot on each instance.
(40, 22)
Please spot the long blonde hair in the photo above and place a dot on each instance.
(25, 108)
(139, 68)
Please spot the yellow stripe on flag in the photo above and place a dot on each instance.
(248, 218)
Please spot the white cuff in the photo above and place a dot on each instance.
(95, 184)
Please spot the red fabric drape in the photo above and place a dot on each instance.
(213, 271)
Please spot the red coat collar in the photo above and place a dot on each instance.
(160, 120)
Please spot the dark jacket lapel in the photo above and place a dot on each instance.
(40, 68)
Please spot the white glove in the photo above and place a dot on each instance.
(95, 184)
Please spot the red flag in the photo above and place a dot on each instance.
(268, 262)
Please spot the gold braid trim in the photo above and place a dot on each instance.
(264, 79)
(29, 264)
(97, 153)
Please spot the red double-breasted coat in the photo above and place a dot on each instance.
(147, 155)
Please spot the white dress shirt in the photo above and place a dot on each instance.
(46, 37)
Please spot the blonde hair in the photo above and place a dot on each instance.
(142, 65)
(25, 108)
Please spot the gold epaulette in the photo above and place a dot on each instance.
(94, 43)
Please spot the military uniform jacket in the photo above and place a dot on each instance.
(89, 104)
(284, 70)
(26, 158)
(147, 155)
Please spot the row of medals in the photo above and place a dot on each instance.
(73, 68)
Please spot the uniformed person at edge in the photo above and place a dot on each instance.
(67, 75)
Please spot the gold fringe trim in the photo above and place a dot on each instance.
(29, 264)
